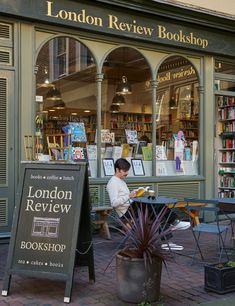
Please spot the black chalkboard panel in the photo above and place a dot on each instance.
(51, 200)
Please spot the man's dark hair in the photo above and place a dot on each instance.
(122, 164)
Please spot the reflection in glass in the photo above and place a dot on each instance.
(177, 114)
(224, 67)
(126, 105)
(126, 75)
(66, 95)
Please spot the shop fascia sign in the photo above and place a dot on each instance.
(114, 23)
(123, 23)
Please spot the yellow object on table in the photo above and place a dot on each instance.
(141, 191)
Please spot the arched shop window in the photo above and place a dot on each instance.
(177, 104)
(126, 106)
(65, 99)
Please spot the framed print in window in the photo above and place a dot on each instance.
(137, 166)
(108, 164)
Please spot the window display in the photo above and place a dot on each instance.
(66, 104)
(65, 70)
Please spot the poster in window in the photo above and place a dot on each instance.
(78, 132)
(108, 164)
(137, 166)
(160, 152)
(131, 136)
(185, 102)
(141, 143)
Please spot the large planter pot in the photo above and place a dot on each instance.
(219, 279)
(137, 282)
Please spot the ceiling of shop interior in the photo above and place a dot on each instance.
(122, 61)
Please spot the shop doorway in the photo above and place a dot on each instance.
(7, 152)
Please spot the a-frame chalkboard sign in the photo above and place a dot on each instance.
(51, 222)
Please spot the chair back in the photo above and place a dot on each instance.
(203, 206)
(215, 228)
(59, 146)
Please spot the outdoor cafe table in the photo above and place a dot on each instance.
(226, 205)
(153, 201)
(172, 203)
(229, 203)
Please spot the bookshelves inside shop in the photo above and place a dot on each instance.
(225, 103)
(142, 123)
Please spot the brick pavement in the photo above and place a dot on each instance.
(182, 283)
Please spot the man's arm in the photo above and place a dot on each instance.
(119, 197)
(114, 195)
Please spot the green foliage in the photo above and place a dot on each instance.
(143, 234)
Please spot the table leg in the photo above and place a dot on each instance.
(194, 215)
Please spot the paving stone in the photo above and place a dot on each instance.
(182, 283)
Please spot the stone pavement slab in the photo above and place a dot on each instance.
(221, 302)
(182, 283)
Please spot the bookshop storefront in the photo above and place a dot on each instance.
(95, 82)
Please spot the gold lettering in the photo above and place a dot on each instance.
(72, 16)
(113, 22)
(82, 17)
(181, 37)
(63, 14)
(49, 9)
(122, 26)
(129, 27)
(139, 30)
(148, 31)
(161, 32)
(164, 78)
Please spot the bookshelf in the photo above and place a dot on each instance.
(190, 128)
(142, 123)
(225, 104)
(54, 124)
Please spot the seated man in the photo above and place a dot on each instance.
(121, 198)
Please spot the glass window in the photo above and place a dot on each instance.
(224, 67)
(65, 101)
(127, 113)
(177, 118)
(224, 77)
(127, 107)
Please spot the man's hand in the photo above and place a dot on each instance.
(132, 194)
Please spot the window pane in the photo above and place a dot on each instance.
(127, 107)
(224, 67)
(66, 95)
(177, 118)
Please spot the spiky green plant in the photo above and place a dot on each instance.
(143, 232)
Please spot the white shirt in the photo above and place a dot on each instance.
(118, 194)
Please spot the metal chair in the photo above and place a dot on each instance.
(214, 228)
(228, 210)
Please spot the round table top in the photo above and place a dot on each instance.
(226, 200)
(155, 200)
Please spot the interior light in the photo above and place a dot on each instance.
(124, 88)
(114, 108)
(53, 94)
(118, 100)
